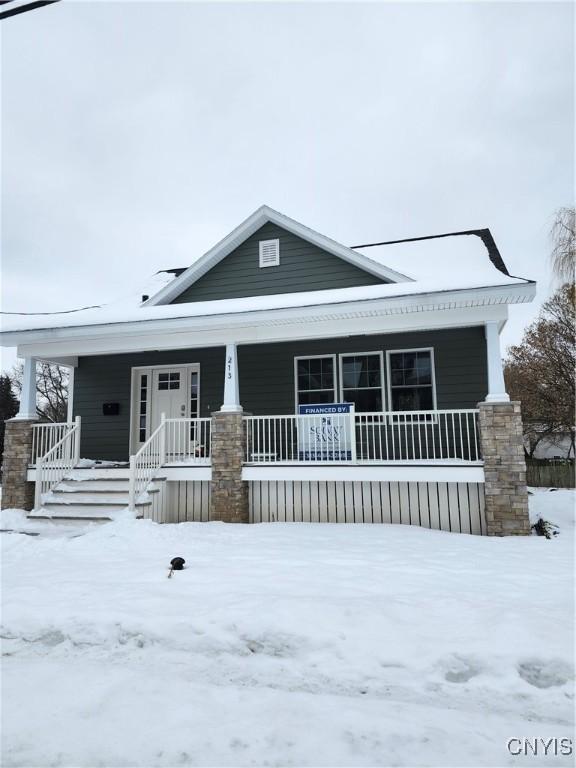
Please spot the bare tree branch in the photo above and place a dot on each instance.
(563, 236)
(52, 389)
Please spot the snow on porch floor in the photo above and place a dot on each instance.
(286, 644)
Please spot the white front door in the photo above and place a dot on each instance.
(172, 391)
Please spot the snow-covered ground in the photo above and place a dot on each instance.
(285, 644)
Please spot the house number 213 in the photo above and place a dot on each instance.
(229, 367)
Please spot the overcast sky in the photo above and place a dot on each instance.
(136, 135)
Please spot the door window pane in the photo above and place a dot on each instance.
(194, 404)
(169, 380)
(143, 398)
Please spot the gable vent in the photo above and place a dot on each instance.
(269, 253)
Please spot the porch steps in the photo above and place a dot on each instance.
(91, 495)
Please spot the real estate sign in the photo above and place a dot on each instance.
(326, 432)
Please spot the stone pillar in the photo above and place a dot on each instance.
(17, 492)
(506, 495)
(228, 492)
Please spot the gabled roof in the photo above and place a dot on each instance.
(262, 216)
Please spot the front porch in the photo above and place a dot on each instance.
(330, 461)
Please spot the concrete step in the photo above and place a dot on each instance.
(97, 474)
(85, 509)
(104, 496)
(92, 494)
(113, 484)
(74, 515)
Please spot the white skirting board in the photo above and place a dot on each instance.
(181, 501)
(457, 507)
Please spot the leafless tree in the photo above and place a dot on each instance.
(540, 371)
(563, 236)
(51, 387)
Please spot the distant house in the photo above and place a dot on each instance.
(559, 445)
(355, 372)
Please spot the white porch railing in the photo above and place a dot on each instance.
(398, 436)
(174, 441)
(52, 466)
(45, 436)
(188, 441)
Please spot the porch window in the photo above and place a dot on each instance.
(361, 381)
(315, 380)
(411, 380)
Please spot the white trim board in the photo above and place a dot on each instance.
(248, 227)
(168, 335)
(424, 473)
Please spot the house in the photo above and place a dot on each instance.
(284, 376)
(549, 445)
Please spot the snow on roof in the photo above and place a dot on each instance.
(457, 255)
(446, 263)
(125, 311)
(15, 321)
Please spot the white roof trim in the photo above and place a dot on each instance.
(250, 225)
(231, 321)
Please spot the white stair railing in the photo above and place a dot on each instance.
(45, 436)
(57, 461)
(175, 441)
(145, 464)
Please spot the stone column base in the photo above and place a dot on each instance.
(17, 492)
(228, 492)
(506, 495)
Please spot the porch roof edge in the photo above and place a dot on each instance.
(369, 307)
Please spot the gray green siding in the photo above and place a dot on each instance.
(267, 371)
(266, 378)
(303, 267)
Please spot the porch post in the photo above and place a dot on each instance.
(17, 491)
(70, 411)
(502, 448)
(28, 396)
(496, 387)
(228, 492)
(505, 491)
(231, 387)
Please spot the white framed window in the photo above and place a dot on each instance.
(315, 379)
(411, 379)
(269, 252)
(362, 380)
